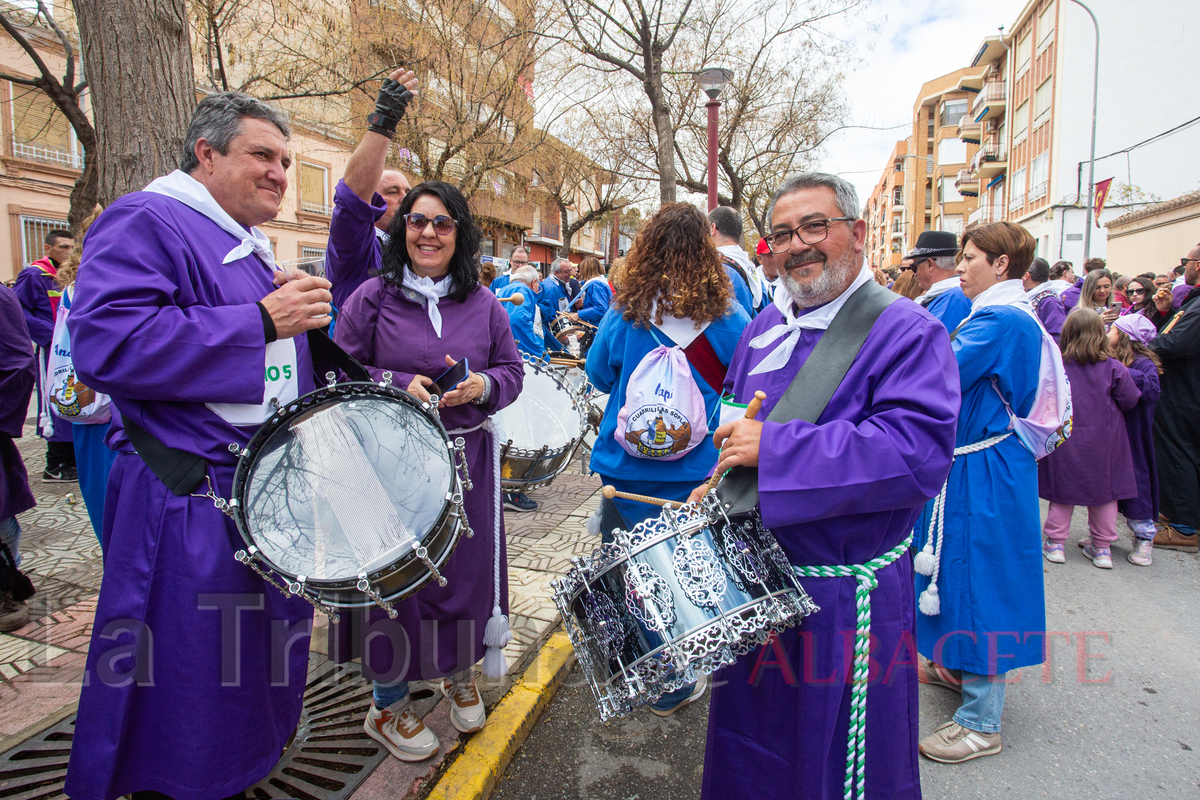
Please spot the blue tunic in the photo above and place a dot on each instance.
(841, 492)
(594, 300)
(553, 298)
(498, 283)
(993, 611)
(528, 326)
(196, 669)
(950, 307)
(741, 292)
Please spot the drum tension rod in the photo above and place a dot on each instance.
(460, 450)
(364, 586)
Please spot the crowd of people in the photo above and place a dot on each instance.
(919, 497)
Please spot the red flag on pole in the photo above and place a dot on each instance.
(1101, 195)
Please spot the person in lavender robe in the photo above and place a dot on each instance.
(39, 296)
(933, 262)
(1042, 297)
(424, 312)
(981, 602)
(196, 669)
(366, 198)
(1128, 339)
(840, 494)
(18, 373)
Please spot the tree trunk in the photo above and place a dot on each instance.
(565, 250)
(138, 62)
(665, 132)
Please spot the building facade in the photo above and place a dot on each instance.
(886, 213)
(1153, 239)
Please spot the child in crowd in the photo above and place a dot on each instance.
(1093, 467)
(1128, 339)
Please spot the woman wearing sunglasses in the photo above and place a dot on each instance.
(424, 312)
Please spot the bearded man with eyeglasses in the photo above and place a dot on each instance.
(1177, 419)
(841, 495)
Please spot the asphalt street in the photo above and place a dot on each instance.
(1114, 715)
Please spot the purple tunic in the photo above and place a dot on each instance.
(354, 252)
(1051, 311)
(1093, 466)
(39, 294)
(439, 630)
(841, 492)
(1139, 424)
(17, 372)
(1070, 297)
(196, 669)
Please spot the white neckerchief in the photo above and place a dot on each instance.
(1038, 292)
(739, 255)
(193, 194)
(941, 287)
(1004, 293)
(1058, 287)
(381, 235)
(682, 330)
(432, 292)
(818, 319)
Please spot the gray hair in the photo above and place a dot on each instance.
(945, 262)
(218, 119)
(526, 274)
(519, 249)
(728, 222)
(558, 263)
(847, 198)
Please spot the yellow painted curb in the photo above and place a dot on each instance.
(474, 773)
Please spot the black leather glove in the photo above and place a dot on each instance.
(389, 108)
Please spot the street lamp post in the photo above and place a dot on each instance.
(712, 80)
(1087, 231)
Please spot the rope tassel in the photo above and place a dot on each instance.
(497, 634)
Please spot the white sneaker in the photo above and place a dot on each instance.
(467, 713)
(401, 731)
(1142, 553)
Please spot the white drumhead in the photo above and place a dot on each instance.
(543, 415)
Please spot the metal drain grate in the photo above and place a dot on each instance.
(327, 760)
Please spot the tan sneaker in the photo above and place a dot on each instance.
(951, 743)
(401, 731)
(1168, 538)
(467, 714)
(934, 674)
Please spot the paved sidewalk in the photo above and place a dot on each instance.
(41, 665)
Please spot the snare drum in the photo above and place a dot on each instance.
(562, 325)
(681, 594)
(544, 428)
(352, 495)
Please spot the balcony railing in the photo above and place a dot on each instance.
(315, 208)
(1016, 204)
(969, 130)
(992, 93)
(985, 215)
(990, 151)
(1038, 191)
(547, 230)
(47, 155)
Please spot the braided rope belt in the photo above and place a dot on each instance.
(856, 750)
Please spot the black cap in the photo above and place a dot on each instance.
(932, 244)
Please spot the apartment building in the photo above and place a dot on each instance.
(885, 213)
(1032, 115)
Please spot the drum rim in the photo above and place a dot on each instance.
(307, 401)
(579, 402)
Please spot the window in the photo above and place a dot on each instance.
(1041, 102)
(1038, 176)
(951, 151)
(33, 236)
(953, 223)
(1046, 25)
(1023, 53)
(1017, 190)
(898, 196)
(948, 192)
(1020, 123)
(953, 111)
(314, 189)
(40, 132)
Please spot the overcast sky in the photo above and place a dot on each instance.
(901, 45)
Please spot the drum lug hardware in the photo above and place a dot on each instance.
(423, 554)
(387, 379)
(366, 588)
(460, 449)
(331, 379)
(221, 503)
(238, 450)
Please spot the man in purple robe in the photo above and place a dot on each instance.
(17, 372)
(841, 496)
(1041, 295)
(39, 296)
(196, 669)
(366, 198)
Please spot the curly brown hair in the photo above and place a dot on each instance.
(70, 268)
(674, 261)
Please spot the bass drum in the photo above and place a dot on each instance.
(351, 495)
(543, 427)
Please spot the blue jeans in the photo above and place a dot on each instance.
(1186, 530)
(10, 534)
(983, 701)
(388, 694)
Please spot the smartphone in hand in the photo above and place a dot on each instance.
(449, 379)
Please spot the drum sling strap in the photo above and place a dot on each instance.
(182, 471)
(806, 398)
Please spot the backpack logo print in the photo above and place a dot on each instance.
(658, 430)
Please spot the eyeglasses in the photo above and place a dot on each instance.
(442, 225)
(1137, 291)
(811, 232)
(1183, 262)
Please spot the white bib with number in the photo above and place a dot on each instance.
(279, 383)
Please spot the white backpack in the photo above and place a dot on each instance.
(65, 395)
(1049, 421)
(663, 416)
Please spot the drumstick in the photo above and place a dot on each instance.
(610, 492)
(516, 299)
(751, 412)
(571, 362)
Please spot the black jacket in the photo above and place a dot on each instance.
(1179, 407)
